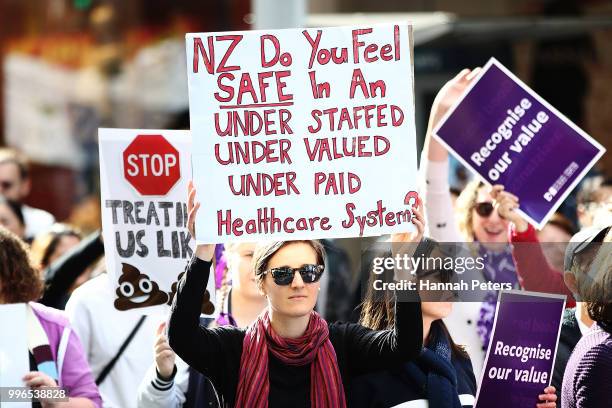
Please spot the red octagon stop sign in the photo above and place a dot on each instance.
(151, 164)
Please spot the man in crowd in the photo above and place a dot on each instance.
(586, 380)
(576, 321)
(15, 185)
(595, 202)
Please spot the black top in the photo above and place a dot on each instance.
(216, 352)
(394, 387)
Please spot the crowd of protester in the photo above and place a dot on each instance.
(269, 347)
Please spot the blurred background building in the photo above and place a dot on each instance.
(72, 66)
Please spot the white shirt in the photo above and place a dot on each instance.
(36, 220)
(102, 330)
(155, 393)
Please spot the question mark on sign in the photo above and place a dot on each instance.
(413, 200)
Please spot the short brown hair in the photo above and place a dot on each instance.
(20, 281)
(266, 250)
(8, 155)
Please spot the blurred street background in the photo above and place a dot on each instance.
(72, 66)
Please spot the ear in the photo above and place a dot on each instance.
(570, 281)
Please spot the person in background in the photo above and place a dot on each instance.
(595, 202)
(11, 217)
(170, 383)
(50, 245)
(15, 184)
(586, 379)
(442, 375)
(473, 219)
(70, 270)
(537, 275)
(110, 335)
(51, 364)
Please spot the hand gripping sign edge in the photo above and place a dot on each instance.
(151, 165)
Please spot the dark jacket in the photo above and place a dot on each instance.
(393, 387)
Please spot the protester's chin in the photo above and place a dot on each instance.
(298, 307)
(491, 238)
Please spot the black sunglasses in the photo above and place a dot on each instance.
(283, 276)
(484, 209)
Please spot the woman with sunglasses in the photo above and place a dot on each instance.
(473, 220)
(290, 356)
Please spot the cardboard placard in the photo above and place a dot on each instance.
(14, 358)
(143, 184)
(507, 134)
(521, 355)
(303, 133)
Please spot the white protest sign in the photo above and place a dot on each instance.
(143, 184)
(302, 133)
(14, 359)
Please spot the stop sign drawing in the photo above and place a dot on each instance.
(151, 164)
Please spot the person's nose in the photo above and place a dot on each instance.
(495, 217)
(297, 282)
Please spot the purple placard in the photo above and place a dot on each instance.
(507, 134)
(531, 321)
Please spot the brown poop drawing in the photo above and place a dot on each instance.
(137, 290)
(208, 307)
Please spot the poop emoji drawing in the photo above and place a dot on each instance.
(137, 290)
(208, 307)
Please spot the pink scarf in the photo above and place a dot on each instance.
(312, 348)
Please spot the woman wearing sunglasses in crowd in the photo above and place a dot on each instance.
(473, 220)
(442, 375)
(289, 356)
